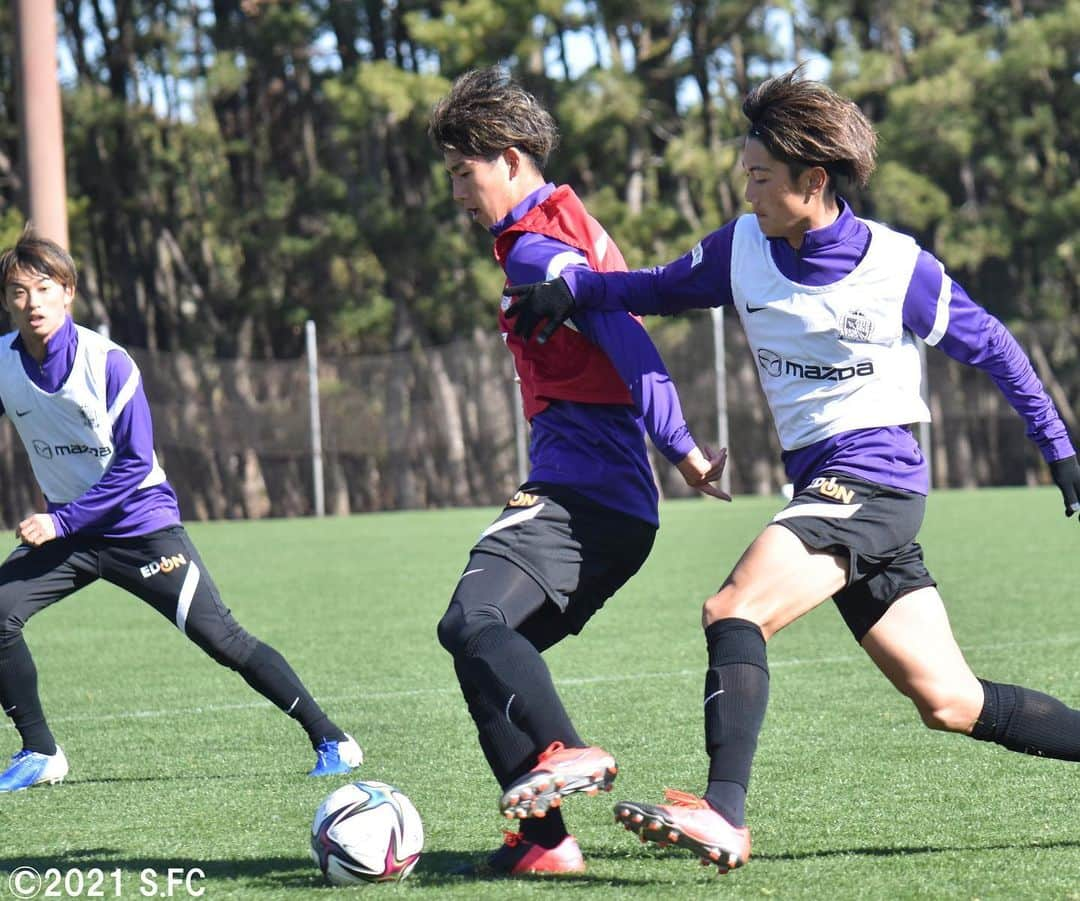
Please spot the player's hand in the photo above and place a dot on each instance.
(1066, 474)
(701, 470)
(537, 302)
(36, 529)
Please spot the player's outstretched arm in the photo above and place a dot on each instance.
(968, 333)
(1066, 475)
(536, 302)
(702, 468)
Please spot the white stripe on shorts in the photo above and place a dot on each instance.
(824, 511)
(512, 520)
(187, 592)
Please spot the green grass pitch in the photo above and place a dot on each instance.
(176, 763)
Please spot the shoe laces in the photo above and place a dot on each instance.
(551, 750)
(684, 799)
(21, 755)
(327, 748)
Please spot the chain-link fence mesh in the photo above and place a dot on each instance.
(435, 426)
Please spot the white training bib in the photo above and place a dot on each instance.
(68, 435)
(831, 358)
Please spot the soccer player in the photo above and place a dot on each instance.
(830, 304)
(585, 519)
(77, 403)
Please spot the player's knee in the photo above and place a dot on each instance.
(449, 630)
(231, 648)
(11, 623)
(10, 632)
(727, 603)
(946, 712)
(458, 626)
(455, 629)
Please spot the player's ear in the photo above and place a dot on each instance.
(516, 161)
(512, 159)
(814, 181)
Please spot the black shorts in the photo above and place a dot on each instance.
(874, 526)
(162, 568)
(579, 552)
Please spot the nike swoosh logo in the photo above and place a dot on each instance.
(750, 309)
(22, 412)
(10, 709)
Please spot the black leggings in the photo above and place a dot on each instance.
(494, 590)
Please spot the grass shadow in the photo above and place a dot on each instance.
(910, 850)
(448, 868)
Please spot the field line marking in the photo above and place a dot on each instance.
(566, 682)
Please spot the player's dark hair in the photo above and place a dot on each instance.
(805, 123)
(35, 253)
(487, 112)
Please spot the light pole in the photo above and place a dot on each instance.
(41, 130)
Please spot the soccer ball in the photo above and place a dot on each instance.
(366, 832)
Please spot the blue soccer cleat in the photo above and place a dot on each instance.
(336, 758)
(32, 768)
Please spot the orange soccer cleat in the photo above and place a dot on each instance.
(559, 771)
(688, 822)
(520, 857)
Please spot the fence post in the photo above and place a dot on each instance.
(316, 423)
(720, 368)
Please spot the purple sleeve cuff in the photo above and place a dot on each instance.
(680, 447)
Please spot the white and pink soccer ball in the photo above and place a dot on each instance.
(366, 832)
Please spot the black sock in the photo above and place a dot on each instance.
(19, 697)
(546, 832)
(1028, 721)
(271, 676)
(736, 694)
(515, 677)
(508, 750)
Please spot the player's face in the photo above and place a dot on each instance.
(37, 305)
(784, 206)
(483, 188)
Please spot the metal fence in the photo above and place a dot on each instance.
(440, 426)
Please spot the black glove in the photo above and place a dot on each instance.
(537, 302)
(1066, 474)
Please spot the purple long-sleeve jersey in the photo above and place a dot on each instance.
(598, 450)
(112, 507)
(963, 330)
